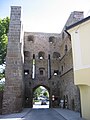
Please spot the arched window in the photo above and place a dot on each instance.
(56, 55)
(42, 71)
(56, 72)
(26, 72)
(30, 38)
(51, 39)
(41, 55)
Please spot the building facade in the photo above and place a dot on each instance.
(80, 43)
(39, 59)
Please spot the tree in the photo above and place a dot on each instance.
(4, 26)
(1, 87)
(46, 94)
(37, 92)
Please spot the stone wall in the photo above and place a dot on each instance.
(74, 17)
(59, 48)
(41, 42)
(60, 85)
(68, 90)
(13, 93)
(1, 100)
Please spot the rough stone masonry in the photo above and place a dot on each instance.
(45, 56)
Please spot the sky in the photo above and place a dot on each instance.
(45, 15)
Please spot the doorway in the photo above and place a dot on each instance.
(41, 97)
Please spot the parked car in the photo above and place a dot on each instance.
(43, 102)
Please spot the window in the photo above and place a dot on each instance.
(51, 39)
(63, 35)
(56, 72)
(33, 56)
(41, 55)
(56, 55)
(33, 67)
(26, 53)
(52, 83)
(66, 48)
(42, 71)
(26, 72)
(62, 68)
(30, 38)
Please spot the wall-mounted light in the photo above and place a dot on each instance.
(41, 58)
(55, 74)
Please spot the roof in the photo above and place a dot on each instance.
(77, 23)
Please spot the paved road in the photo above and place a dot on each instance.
(43, 114)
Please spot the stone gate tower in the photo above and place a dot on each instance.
(13, 94)
(47, 62)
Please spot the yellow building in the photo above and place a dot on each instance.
(80, 38)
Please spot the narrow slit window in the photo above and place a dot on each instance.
(62, 68)
(33, 68)
(66, 48)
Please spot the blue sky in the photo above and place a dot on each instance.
(45, 15)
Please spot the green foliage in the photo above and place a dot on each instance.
(46, 94)
(4, 26)
(1, 87)
(36, 100)
(37, 92)
(2, 75)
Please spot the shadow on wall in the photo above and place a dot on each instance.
(1, 99)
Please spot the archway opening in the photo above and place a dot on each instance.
(41, 97)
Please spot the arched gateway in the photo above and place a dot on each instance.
(30, 63)
(42, 97)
